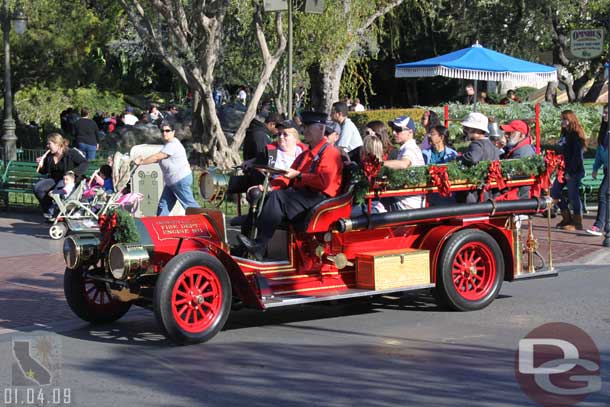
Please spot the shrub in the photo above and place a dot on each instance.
(43, 107)
(360, 119)
(524, 92)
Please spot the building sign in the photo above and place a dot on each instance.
(275, 5)
(587, 44)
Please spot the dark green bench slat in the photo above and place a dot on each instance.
(588, 185)
(17, 179)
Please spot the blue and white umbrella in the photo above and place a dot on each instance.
(479, 63)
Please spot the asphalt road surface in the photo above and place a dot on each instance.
(391, 352)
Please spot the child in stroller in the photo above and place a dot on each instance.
(61, 191)
(109, 188)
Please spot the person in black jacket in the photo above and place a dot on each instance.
(258, 135)
(480, 149)
(87, 139)
(573, 143)
(58, 160)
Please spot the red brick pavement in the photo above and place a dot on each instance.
(568, 247)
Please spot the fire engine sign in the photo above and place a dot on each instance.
(587, 44)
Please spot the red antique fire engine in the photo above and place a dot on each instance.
(182, 268)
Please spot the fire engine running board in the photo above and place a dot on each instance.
(286, 300)
(537, 274)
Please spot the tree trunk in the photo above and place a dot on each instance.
(596, 90)
(325, 84)
(551, 92)
(279, 91)
(198, 119)
(579, 86)
(412, 95)
(270, 62)
(215, 148)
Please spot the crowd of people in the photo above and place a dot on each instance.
(315, 173)
(65, 163)
(481, 97)
(87, 130)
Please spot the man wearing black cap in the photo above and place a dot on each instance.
(314, 176)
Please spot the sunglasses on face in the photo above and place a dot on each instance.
(167, 130)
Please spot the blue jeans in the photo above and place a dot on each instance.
(180, 191)
(88, 149)
(572, 182)
(602, 203)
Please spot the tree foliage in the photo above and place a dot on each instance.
(64, 43)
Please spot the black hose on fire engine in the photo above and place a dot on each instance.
(489, 208)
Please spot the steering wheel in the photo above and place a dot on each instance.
(267, 170)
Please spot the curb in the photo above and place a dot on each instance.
(598, 257)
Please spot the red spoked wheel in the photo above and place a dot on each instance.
(196, 299)
(91, 300)
(192, 297)
(470, 270)
(474, 271)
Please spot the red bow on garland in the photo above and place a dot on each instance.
(371, 166)
(440, 179)
(495, 174)
(553, 161)
(107, 226)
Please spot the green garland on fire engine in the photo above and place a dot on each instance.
(125, 230)
(456, 172)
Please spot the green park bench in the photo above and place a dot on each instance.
(17, 180)
(588, 185)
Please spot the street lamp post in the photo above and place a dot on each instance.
(19, 19)
(606, 226)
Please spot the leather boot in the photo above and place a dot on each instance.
(576, 223)
(567, 218)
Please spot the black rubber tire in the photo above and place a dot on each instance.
(445, 291)
(77, 296)
(162, 299)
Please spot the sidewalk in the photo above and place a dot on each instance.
(31, 267)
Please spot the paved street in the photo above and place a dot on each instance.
(393, 352)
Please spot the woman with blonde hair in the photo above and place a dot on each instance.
(573, 143)
(372, 146)
(55, 163)
(379, 129)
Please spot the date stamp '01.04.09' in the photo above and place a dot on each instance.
(35, 372)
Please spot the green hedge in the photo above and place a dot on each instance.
(589, 116)
(360, 119)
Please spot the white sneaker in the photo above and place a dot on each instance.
(595, 231)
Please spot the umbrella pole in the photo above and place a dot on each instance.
(476, 96)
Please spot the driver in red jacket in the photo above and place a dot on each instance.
(314, 176)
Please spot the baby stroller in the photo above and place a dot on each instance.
(77, 215)
(69, 207)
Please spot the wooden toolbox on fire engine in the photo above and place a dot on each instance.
(384, 269)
